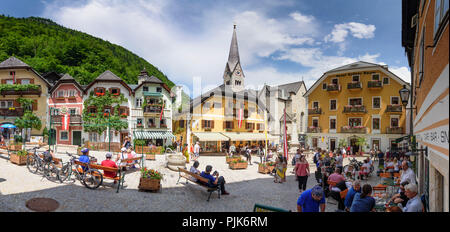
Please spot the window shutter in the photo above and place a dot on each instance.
(212, 123)
(3, 81)
(224, 124)
(127, 110)
(232, 125)
(35, 105)
(31, 81)
(16, 103)
(203, 123)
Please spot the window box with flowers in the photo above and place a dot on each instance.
(150, 180)
(313, 129)
(123, 115)
(139, 125)
(394, 130)
(333, 87)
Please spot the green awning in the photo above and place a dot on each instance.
(152, 94)
(153, 135)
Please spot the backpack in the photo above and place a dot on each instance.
(47, 157)
(315, 158)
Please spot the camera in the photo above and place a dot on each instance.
(215, 173)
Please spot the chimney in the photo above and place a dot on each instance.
(142, 76)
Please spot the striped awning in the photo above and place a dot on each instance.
(210, 136)
(247, 136)
(153, 135)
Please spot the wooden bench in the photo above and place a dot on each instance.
(56, 161)
(203, 181)
(130, 162)
(120, 177)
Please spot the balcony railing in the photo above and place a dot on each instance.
(315, 111)
(355, 109)
(394, 130)
(12, 112)
(76, 118)
(354, 86)
(375, 84)
(32, 90)
(313, 130)
(349, 129)
(394, 109)
(333, 88)
(152, 109)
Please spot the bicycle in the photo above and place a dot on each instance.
(91, 178)
(37, 164)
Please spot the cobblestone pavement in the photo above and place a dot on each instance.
(247, 187)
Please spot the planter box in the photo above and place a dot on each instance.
(265, 169)
(149, 184)
(229, 159)
(18, 159)
(238, 165)
(15, 147)
(150, 157)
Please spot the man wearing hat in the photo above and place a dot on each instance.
(311, 199)
(109, 163)
(84, 157)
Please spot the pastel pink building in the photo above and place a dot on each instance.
(66, 97)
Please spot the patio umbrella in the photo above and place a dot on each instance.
(8, 126)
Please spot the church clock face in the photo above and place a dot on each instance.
(238, 73)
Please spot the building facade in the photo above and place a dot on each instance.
(356, 105)
(20, 81)
(425, 37)
(66, 98)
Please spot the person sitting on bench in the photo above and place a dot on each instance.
(214, 181)
(195, 170)
(109, 163)
(84, 157)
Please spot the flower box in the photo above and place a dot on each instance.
(238, 165)
(123, 115)
(149, 184)
(72, 97)
(15, 147)
(60, 98)
(18, 159)
(99, 94)
(266, 168)
(150, 157)
(231, 159)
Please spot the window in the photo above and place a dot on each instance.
(375, 123)
(236, 82)
(355, 78)
(228, 125)
(394, 122)
(354, 122)
(332, 124)
(10, 81)
(60, 93)
(115, 91)
(162, 122)
(249, 126)
(72, 93)
(324, 86)
(55, 111)
(6, 104)
(73, 111)
(159, 89)
(145, 88)
(355, 101)
(228, 82)
(315, 105)
(207, 105)
(333, 104)
(151, 122)
(376, 103)
(208, 124)
(93, 137)
(138, 102)
(181, 123)
(385, 80)
(217, 105)
(139, 121)
(315, 122)
(375, 77)
(64, 135)
(421, 56)
(395, 101)
(334, 81)
(440, 12)
(25, 81)
(92, 110)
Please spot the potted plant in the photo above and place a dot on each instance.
(238, 164)
(150, 180)
(19, 158)
(233, 158)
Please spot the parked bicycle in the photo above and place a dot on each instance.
(89, 177)
(46, 165)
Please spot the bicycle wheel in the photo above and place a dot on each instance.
(38, 165)
(51, 172)
(64, 173)
(92, 179)
(31, 164)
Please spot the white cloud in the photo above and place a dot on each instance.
(403, 72)
(357, 30)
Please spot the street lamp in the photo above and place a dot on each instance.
(404, 95)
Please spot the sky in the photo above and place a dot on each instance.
(279, 41)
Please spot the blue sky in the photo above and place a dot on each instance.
(279, 41)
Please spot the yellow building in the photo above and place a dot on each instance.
(213, 118)
(19, 80)
(359, 100)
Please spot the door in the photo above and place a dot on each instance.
(314, 142)
(76, 138)
(375, 144)
(52, 137)
(332, 144)
(355, 148)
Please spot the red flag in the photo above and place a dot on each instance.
(240, 118)
(285, 137)
(65, 122)
(161, 114)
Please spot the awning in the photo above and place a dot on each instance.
(246, 136)
(210, 136)
(153, 135)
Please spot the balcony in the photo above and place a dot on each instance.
(394, 130)
(394, 109)
(354, 86)
(76, 118)
(152, 109)
(12, 112)
(355, 109)
(22, 90)
(313, 129)
(333, 88)
(315, 111)
(356, 129)
(375, 85)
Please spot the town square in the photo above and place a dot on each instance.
(262, 107)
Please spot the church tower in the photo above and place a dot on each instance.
(233, 76)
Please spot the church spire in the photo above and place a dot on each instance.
(233, 57)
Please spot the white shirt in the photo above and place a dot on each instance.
(339, 160)
(197, 148)
(193, 170)
(409, 176)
